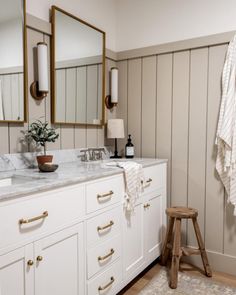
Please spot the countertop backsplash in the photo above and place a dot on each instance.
(10, 162)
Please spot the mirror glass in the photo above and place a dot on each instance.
(12, 51)
(78, 70)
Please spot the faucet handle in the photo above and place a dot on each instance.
(100, 151)
(84, 157)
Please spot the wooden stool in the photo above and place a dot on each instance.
(176, 214)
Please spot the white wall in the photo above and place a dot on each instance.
(100, 13)
(69, 33)
(11, 49)
(149, 22)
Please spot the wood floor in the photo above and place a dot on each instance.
(145, 278)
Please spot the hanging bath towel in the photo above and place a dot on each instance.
(226, 132)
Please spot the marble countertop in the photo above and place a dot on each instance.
(67, 174)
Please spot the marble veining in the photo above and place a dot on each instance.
(71, 171)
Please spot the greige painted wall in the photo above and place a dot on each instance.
(170, 104)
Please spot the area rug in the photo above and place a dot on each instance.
(187, 285)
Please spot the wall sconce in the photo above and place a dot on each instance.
(112, 99)
(39, 89)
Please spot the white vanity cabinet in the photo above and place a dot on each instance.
(52, 265)
(59, 263)
(16, 276)
(143, 229)
(48, 237)
(104, 235)
(79, 239)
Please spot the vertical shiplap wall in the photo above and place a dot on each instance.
(70, 136)
(12, 85)
(170, 104)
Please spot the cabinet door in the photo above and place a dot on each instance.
(133, 241)
(16, 276)
(59, 265)
(153, 227)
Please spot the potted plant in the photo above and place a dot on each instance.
(41, 133)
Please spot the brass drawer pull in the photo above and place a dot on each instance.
(105, 195)
(101, 258)
(107, 285)
(145, 206)
(25, 221)
(149, 180)
(105, 226)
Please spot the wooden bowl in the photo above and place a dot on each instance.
(48, 167)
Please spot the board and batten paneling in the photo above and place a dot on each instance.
(122, 108)
(11, 87)
(134, 113)
(148, 143)
(180, 118)
(197, 137)
(214, 190)
(164, 112)
(186, 99)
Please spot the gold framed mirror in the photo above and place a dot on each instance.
(13, 62)
(77, 71)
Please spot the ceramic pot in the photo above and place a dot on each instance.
(42, 159)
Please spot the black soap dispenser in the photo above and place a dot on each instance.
(129, 149)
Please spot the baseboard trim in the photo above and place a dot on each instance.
(219, 262)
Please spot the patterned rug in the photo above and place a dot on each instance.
(187, 285)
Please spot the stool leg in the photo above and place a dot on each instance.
(202, 248)
(165, 249)
(176, 254)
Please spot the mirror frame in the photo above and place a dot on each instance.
(53, 84)
(25, 68)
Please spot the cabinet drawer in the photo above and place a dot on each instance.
(108, 282)
(103, 226)
(103, 193)
(104, 254)
(153, 178)
(43, 213)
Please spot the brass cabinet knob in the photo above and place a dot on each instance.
(39, 258)
(30, 263)
(146, 206)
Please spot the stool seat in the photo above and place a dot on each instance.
(176, 214)
(181, 212)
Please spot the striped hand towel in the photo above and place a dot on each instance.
(134, 178)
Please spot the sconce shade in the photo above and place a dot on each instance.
(42, 67)
(114, 85)
(115, 128)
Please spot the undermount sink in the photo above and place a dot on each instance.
(15, 180)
